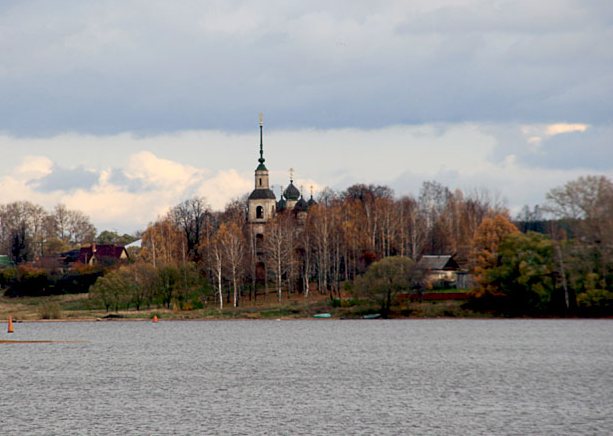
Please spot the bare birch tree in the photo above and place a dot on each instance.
(278, 249)
(233, 245)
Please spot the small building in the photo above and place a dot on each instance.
(102, 254)
(6, 261)
(441, 271)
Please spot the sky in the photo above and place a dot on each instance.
(124, 108)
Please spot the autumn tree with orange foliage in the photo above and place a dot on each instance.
(162, 243)
(490, 233)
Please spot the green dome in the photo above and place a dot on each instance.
(301, 206)
(291, 193)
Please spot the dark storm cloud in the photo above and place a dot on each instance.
(111, 66)
(65, 179)
(133, 185)
(592, 149)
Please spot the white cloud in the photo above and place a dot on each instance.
(137, 178)
(223, 187)
(33, 167)
(163, 183)
(560, 128)
(537, 133)
(162, 173)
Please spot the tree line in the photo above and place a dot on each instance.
(341, 235)
(28, 231)
(565, 269)
(33, 239)
(194, 255)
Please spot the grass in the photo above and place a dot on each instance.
(80, 306)
(74, 306)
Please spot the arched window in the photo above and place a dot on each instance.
(260, 182)
(259, 212)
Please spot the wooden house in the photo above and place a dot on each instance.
(102, 254)
(441, 271)
(96, 254)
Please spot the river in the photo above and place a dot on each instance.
(321, 377)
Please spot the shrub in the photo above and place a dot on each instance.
(30, 281)
(50, 310)
(335, 302)
(596, 302)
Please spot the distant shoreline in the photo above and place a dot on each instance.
(77, 308)
(294, 318)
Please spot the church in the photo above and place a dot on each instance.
(262, 203)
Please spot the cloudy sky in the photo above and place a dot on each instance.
(123, 108)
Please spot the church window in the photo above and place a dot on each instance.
(259, 212)
(260, 182)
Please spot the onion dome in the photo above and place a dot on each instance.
(301, 205)
(281, 204)
(291, 193)
(311, 201)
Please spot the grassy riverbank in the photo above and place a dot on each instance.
(81, 307)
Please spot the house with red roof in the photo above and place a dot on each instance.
(105, 254)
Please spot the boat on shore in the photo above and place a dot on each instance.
(322, 315)
(372, 316)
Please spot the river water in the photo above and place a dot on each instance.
(309, 377)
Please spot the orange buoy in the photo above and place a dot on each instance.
(155, 318)
(11, 329)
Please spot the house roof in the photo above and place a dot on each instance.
(262, 194)
(102, 250)
(71, 256)
(442, 262)
(5, 261)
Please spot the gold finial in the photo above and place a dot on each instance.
(291, 174)
(261, 118)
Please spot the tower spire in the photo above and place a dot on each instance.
(261, 159)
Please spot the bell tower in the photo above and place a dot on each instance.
(262, 201)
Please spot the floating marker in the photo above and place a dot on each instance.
(155, 318)
(11, 329)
